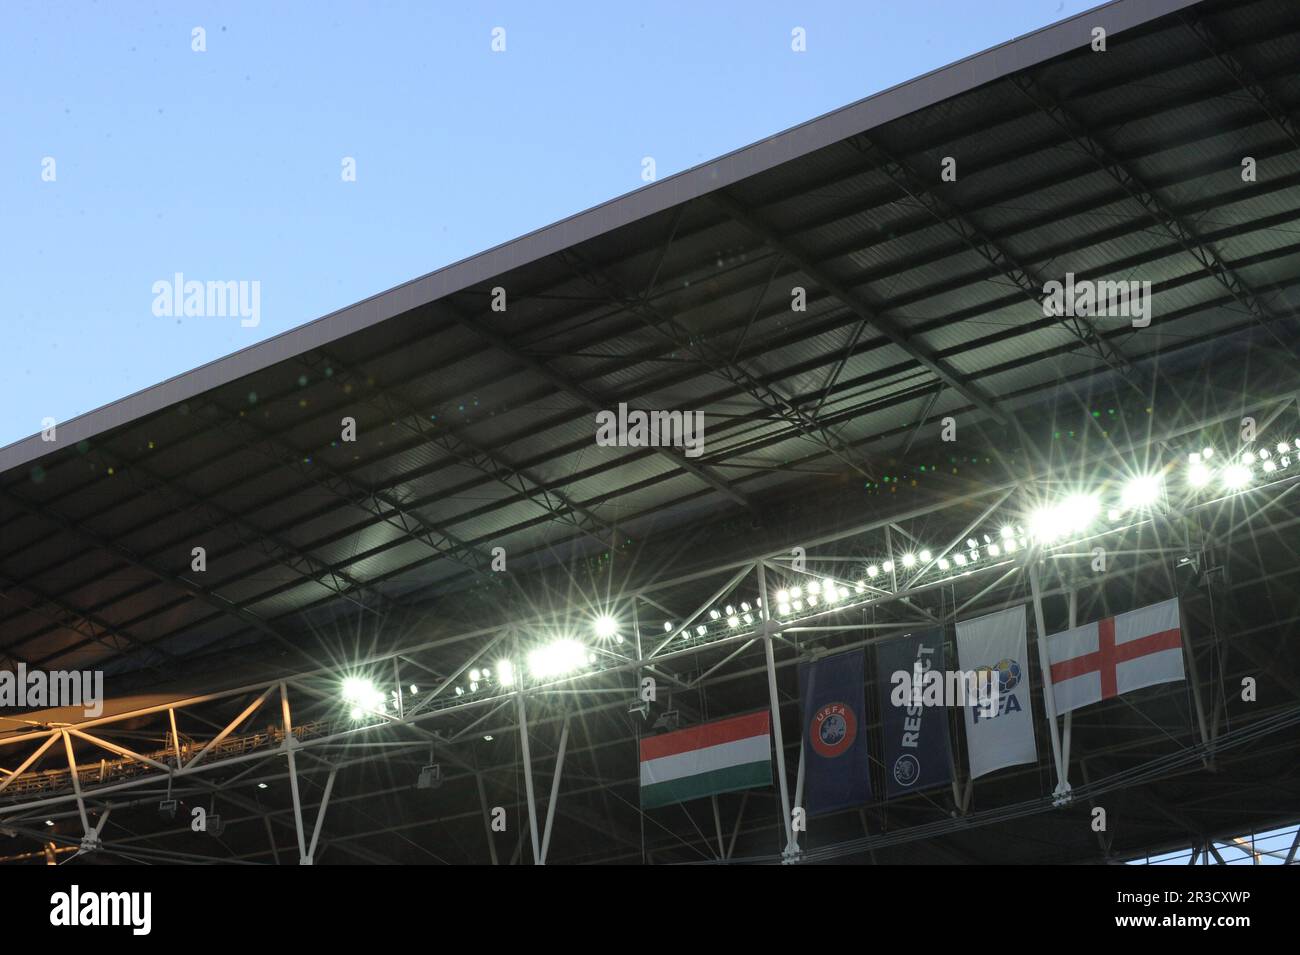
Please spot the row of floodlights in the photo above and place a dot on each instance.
(1070, 518)
(1239, 474)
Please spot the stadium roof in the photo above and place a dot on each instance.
(924, 303)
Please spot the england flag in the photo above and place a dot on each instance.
(1112, 656)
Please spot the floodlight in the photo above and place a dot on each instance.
(605, 626)
(812, 600)
(1072, 516)
(796, 592)
(814, 586)
(263, 786)
(1140, 492)
(1207, 453)
(1270, 467)
(744, 606)
(972, 543)
(714, 615)
(505, 673)
(460, 691)
(474, 676)
(733, 621)
(357, 689)
(414, 689)
(1282, 447)
(782, 596)
(925, 556)
(783, 608)
(668, 626)
(557, 658)
(1009, 545)
(487, 738)
(357, 713)
(473, 688)
(860, 587)
(798, 605)
(994, 550)
(1236, 477)
(701, 630)
(1198, 475)
(1248, 458)
(748, 618)
(1007, 533)
(943, 563)
(887, 566)
(730, 610)
(873, 570)
(909, 560)
(959, 559)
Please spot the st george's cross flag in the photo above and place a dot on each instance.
(1112, 656)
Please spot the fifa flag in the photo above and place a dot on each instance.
(718, 757)
(1113, 656)
(837, 769)
(996, 645)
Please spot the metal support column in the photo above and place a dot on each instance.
(555, 791)
(528, 775)
(1049, 699)
(768, 632)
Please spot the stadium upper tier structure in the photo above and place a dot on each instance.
(410, 584)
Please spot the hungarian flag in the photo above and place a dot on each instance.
(718, 757)
(1112, 656)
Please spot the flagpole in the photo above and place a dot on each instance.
(1069, 717)
(768, 628)
(1049, 698)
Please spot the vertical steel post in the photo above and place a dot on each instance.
(768, 628)
(528, 774)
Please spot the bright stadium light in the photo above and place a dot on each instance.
(814, 586)
(1072, 516)
(557, 658)
(605, 626)
(873, 571)
(783, 596)
(1207, 453)
(1198, 475)
(1141, 492)
(1236, 477)
(505, 673)
(733, 621)
(1007, 532)
(959, 559)
(1270, 467)
(943, 563)
(887, 566)
(909, 560)
(925, 556)
(474, 676)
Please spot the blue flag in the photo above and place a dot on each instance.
(916, 736)
(836, 761)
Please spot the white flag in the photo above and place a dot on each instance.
(1112, 656)
(1004, 737)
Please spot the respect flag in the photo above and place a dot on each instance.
(916, 736)
(1112, 656)
(837, 768)
(996, 645)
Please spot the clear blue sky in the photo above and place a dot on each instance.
(225, 164)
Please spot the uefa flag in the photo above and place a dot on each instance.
(837, 769)
(1112, 656)
(995, 648)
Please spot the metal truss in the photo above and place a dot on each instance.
(521, 481)
(995, 254)
(594, 403)
(867, 314)
(728, 369)
(1181, 232)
